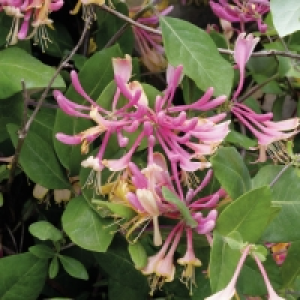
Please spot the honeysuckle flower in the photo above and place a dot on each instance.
(271, 292)
(160, 267)
(146, 200)
(243, 11)
(161, 124)
(148, 44)
(265, 130)
(39, 192)
(62, 195)
(243, 49)
(190, 261)
(15, 12)
(122, 73)
(228, 292)
(279, 251)
(34, 13)
(87, 9)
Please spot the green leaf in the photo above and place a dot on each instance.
(285, 17)
(53, 268)
(151, 93)
(138, 254)
(43, 123)
(291, 266)
(94, 76)
(111, 25)
(231, 172)
(118, 209)
(11, 111)
(22, 276)
(223, 262)
(116, 288)
(42, 251)
(44, 230)
(1, 200)
(74, 267)
(17, 65)
(187, 45)
(250, 281)
(261, 252)
(117, 258)
(239, 139)
(248, 215)
(85, 228)
(234, 240)
(286, 195)
(38, 160)
(185, 213)
(202, 290)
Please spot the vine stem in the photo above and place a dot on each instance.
(27, 123)
(265, 53)
(129, 20)
(120, 32)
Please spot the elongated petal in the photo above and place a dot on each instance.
(123, 67)
(69, 139)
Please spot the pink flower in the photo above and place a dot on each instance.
(148, 44)
(160, 267)
(34, 12)
(228, 292)
(190, 261)
(243, 49)
(271, 292)
(161, 124)
(265, 130)
(243, 11)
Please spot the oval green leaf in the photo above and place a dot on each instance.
(185, 213)
(138, 255)
(42, 251)
(74, 267)
(231, 171)
(188, 45)
(85, 227)
(44, 230)
(17, 65)
(286, 196)
(248, 215)
(38, 160)
(285, 17)
(22, 276)
(53, 268)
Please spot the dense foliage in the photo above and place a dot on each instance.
(143, 156)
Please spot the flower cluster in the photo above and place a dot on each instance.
(184, 142)
(260, 125)
(243, 11)
(142, 190)
(34, 13)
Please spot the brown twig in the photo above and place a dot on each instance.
(25, 128)
(129, 20)
(120, 32)
(256, 88)
(265, 53)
